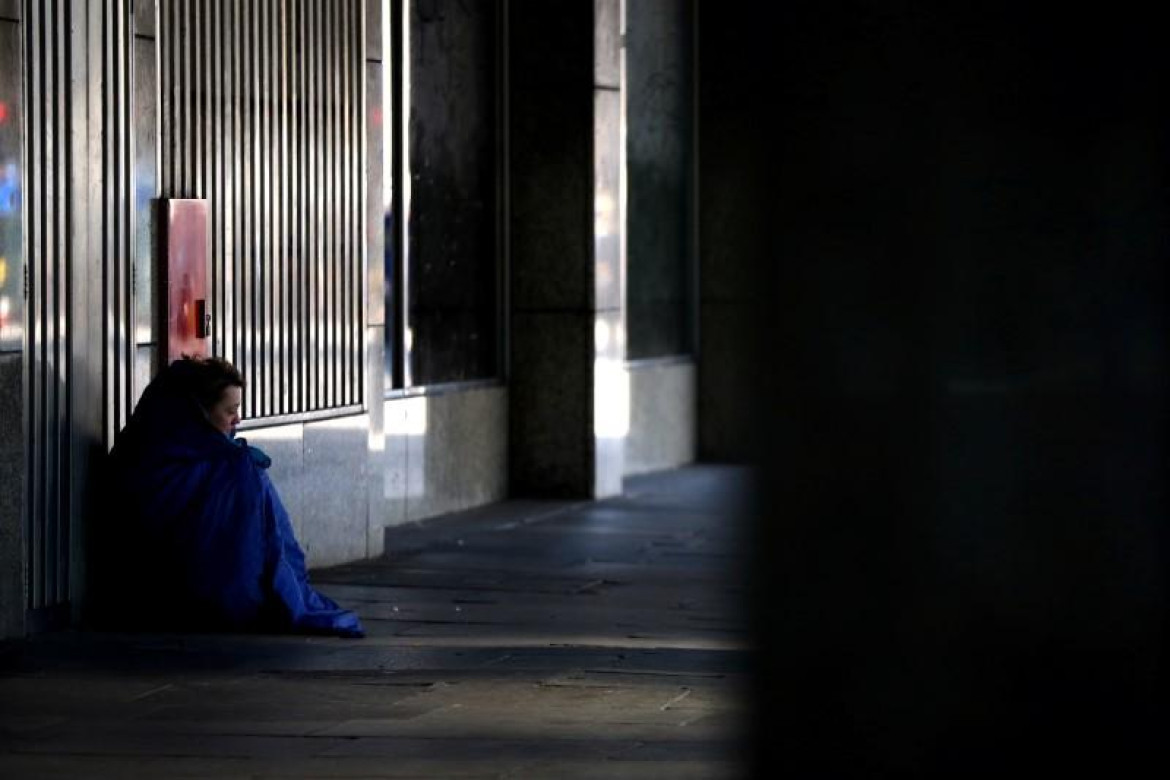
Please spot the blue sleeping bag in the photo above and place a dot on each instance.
(203, 539)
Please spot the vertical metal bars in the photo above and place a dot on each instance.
(117, 215)
(262, 116)
(49, 255)
(53, 236)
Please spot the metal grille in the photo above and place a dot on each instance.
(50, 258)
(262, 106)
(117, 229)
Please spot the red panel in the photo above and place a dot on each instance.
(186, 278)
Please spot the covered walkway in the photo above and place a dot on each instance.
(526, 639)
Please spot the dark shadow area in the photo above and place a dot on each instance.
(960, 217)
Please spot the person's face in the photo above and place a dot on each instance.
(225, 415)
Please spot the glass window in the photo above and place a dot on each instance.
(659, 111)
(11, 257)
(453, 266)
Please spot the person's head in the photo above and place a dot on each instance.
(219, 391)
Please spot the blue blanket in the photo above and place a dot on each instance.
(209, 542)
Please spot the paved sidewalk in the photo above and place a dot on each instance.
(523, 640)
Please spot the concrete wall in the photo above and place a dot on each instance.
(408, 458)
(12, 477)
(343, 483)
(663, 425)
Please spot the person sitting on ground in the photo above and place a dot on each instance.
(203, 538)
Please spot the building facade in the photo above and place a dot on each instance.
(454, 247)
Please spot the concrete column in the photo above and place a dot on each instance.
(569, 390)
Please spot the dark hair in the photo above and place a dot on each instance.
(210, 377)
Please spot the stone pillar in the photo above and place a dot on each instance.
(569, 390)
